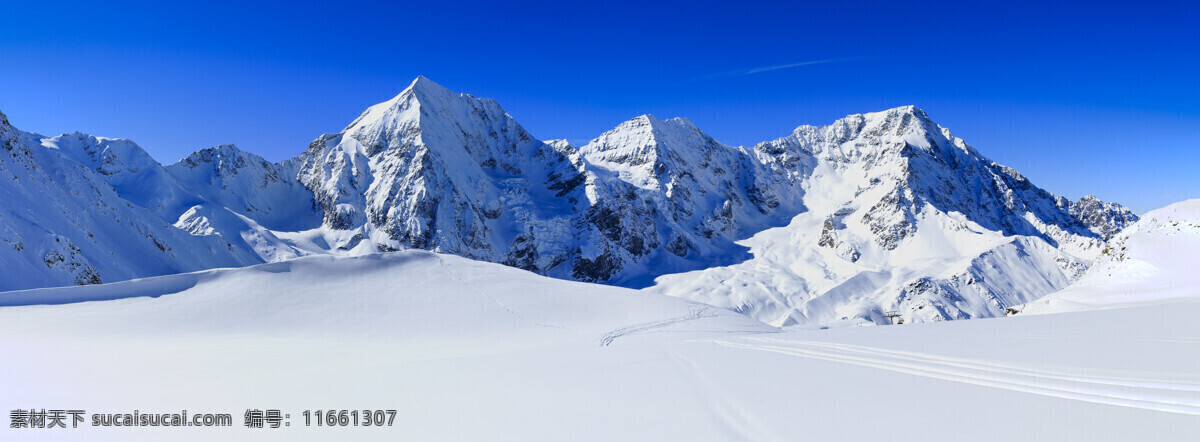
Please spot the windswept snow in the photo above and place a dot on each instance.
(466, 350)
(1151, 262)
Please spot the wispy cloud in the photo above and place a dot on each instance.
(761, 69)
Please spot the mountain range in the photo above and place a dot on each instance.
(876, 218)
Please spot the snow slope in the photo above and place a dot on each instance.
(904, 218)
(249, 185)
(129, 169)
(1150, 262)
(86, 209)
(63, 223)
(475, 351)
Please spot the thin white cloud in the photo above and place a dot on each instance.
(789, 65)
(761, 69)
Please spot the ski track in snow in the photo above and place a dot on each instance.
(1145, 394)
(696, 313)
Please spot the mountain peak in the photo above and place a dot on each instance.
(655, 127)
(6, 129)
(228, 148)
(645, 141)
(216, 152)
(645, 118)
(422, 86)
(904, 114)
(422, 92)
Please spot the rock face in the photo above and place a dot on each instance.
(452, 173)
(873, 214)
(435, 170)
(1106, 219)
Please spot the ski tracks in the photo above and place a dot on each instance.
(696, 313)
(1148, 394)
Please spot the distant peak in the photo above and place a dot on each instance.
(647, 120)
(422, 91)
(903, 116)
(423, 85)
(682, 121)
(901, 111)
(651, 120)
(216, 153)
(223, 149)
(559, 143)
(655, 127)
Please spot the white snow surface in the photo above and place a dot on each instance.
(466, 350)
(1154, 261)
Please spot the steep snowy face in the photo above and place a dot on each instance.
(436, 170)
(674, 199)
(904, 218)
(900, 162)
(129, 169)
(62, 222)
(250, 186)
(686, 166)
(1152, 260)
(6, 129)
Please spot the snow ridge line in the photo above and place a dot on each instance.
(1095, 390)
(696, 313)
(446, 268)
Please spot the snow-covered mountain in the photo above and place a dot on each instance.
(676, 198)
(249, 185)
(449, 172)
(902, 218)
(1150, 262)
(84, 210)
(430, 169)
(875, 213)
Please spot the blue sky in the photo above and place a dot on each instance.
(1082, 97)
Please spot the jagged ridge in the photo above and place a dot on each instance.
(840, 209)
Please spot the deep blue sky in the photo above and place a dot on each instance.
(1082, 97)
